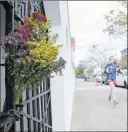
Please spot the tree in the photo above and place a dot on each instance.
(99, 55)
(79, 70)
(97, 58)
(117, 21)
(91, 65)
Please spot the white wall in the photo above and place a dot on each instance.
(2, 68)
(62, 87)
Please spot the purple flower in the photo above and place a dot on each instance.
(10, 42)
(20, 54)
(18, 60)
(12, 38)
(61, 61)
(3, 41)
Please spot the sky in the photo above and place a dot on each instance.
(86, 25)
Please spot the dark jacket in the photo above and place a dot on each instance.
(111, 70)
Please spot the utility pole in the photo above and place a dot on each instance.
(101, 73)
(101, 66)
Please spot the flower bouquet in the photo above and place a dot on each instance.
(31, 54)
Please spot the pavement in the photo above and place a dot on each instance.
(93, 112)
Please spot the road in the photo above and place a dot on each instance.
(93, 112)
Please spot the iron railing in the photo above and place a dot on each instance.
(33, 112)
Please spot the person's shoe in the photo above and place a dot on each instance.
(110, 98)
(115, 102)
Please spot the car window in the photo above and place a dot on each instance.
(125, 72)
(121, 73)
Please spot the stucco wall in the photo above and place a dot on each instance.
(62, 87)
(2, 68)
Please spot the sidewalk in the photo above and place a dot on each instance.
(93, 112)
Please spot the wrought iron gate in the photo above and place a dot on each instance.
(36, 111)
(36, 115)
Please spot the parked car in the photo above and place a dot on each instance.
(85, 77)
(77, 76)
(121, 78)
(82, 76)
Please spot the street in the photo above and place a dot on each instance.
(93, 112)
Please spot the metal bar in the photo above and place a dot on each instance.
(9, 21)
(2, 64)
(21, 124)
(17, 10)
(8, 127)
(26, 7)
(5, 122)
(49, 107)
(28, 111)
(15, 6)
(21, 11)
(33, 98)
(38, 107)
(34, 104)
(44, 100)
(34, 119)
(45, 113)
(43, 104)
(40, 114)
(8, 4)
(48, 111)
(22, 119)
(31, 117)
(31, 109)
(13, 14)
(50, 114)
(25, 111)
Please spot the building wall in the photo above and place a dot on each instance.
(62, 87)
(2, 68)
(124, 59)
(124, 52)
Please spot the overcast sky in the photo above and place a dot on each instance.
(87, 23)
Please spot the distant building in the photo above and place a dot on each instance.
(124, 53)
(124, 58)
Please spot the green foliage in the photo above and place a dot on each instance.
(79, 70)
(117, 21)
(31, 53)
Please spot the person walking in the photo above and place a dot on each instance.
(111, 69)
(97, 79)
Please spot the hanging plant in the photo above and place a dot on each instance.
(31, 53)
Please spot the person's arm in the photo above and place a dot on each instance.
(117, 69)
(107, 69)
